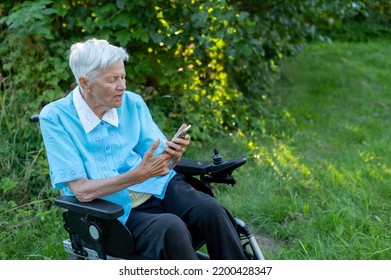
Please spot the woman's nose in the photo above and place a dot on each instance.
(121, 85)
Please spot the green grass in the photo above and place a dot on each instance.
(316, 185)
(319, 185)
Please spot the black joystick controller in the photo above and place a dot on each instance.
(217, 159)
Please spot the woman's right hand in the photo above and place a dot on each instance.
(152, 166)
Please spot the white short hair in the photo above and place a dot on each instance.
(87, 58)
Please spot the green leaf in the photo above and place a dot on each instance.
(123, 20)
(120, 4)
(243, 16)
(123, 37)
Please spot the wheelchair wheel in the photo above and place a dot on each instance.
(251, 248)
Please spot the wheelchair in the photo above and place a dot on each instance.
(96, 234)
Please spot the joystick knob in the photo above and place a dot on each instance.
(217, 159)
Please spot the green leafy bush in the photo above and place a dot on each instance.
(372, 21)
(210, 63)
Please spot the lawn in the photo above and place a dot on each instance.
(318, 186)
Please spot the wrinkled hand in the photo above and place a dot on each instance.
(152, 165)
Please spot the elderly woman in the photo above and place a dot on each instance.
(101, 142)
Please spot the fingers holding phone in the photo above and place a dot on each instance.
(182, 131)
(177, 146)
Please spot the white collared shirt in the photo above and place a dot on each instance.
(87, 117)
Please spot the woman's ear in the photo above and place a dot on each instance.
(84, 84)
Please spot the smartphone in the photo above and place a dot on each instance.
(182, 133)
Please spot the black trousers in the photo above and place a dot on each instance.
(172, 227)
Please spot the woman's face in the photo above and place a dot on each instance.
(106, 90)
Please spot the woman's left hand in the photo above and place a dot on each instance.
(177, 146)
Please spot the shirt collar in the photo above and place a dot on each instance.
(87, 117)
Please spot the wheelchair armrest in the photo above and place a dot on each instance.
(192, 167)
(196, 167)
(98, 208)
(227, 167)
